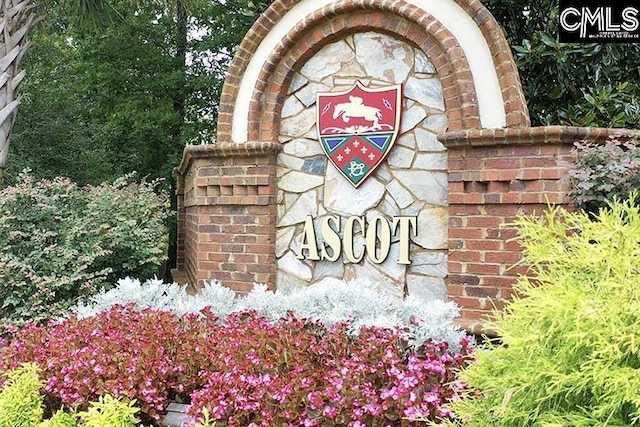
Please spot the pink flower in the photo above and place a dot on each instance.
(245, 371)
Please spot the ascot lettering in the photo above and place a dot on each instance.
(377, 235)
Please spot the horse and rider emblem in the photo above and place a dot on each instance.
(357, 127)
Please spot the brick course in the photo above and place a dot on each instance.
(227, 209)
(226, 214)
(494, 176)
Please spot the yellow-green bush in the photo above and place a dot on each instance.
(20, 399)
(60, 419)
(570, 351)
(21, 405)
(110, 412)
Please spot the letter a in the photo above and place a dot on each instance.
(309, 241)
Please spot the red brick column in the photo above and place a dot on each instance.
(494, 176)
(180, 215)
(226, 214)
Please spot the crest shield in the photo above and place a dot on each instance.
(358, 127)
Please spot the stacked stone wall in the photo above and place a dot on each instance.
(411, 182)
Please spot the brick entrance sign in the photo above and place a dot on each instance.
(312, 178)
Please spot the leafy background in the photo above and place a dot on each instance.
(99, 104)
(580, 84)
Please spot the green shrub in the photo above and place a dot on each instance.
(21, 405)
(59, 242)
(602, 172)
(110, 412)
(60, 419)
(570, 352)
(20, 399)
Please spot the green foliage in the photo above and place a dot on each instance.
(218, 27)
(20, 400)
(62, 243)
(602, 172)
(97, 106)
(571, 343)
(580, 84)
(52, 135)
(132, 216)
(613, 105)
(21, 405)
(110, 412)
(60, 419)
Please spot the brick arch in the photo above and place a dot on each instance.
(401, 18)
(460, 98)
(512, 93)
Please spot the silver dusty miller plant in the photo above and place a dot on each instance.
(359, 302)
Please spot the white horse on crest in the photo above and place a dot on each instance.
(355, 108)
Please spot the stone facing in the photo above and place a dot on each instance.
(411, 182)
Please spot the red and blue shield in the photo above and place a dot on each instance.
(358, 127)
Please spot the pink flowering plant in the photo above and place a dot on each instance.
(311, 379)
(124, 352)
(245, 370)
